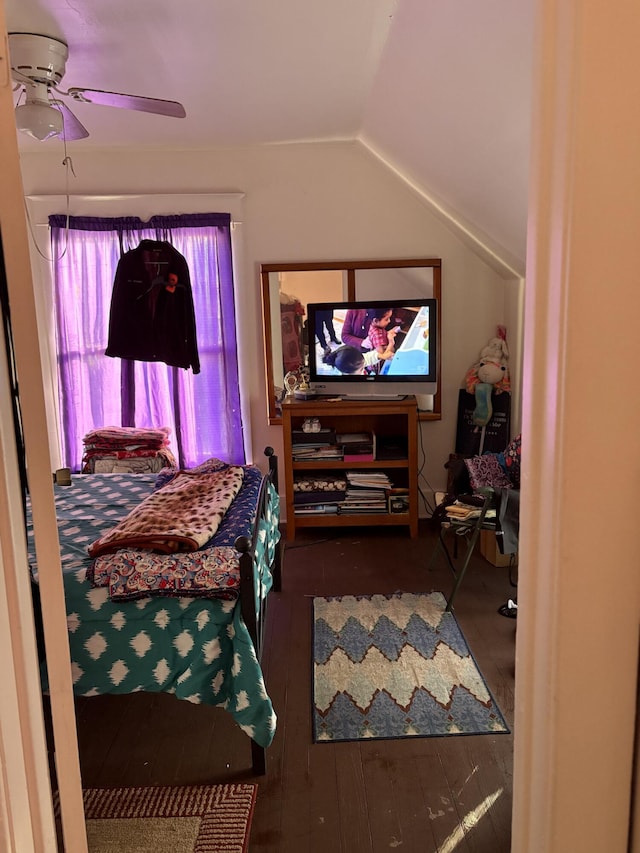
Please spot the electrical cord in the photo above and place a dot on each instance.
(67, 162)
(421, 475)
(310, 544)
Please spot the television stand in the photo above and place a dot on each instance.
(387, 421)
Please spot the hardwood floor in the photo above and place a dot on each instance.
(433, 795)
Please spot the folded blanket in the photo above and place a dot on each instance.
(211, 572)
(115, 437)
(128, 464)
(180, 516)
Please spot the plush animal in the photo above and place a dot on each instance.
(497, 348)
(490, 374)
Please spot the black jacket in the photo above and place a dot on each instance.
(152, 316)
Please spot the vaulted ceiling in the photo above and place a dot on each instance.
(440, 91)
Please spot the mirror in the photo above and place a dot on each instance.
(288, 288)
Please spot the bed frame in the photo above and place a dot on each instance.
(256, 622)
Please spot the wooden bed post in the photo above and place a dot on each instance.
(270, 453)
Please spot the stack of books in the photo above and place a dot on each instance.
(310, 453)
(460, 511)
(314, 445)
(357, 446)
(369, 479)
(366, 493)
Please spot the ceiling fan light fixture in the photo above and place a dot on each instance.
(38, 64)
(39, 120)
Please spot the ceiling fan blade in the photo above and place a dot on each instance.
(129, 102)
(72, 127)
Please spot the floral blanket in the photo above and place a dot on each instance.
(181, 516)
(210, 572)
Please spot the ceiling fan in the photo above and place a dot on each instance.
(37, 67)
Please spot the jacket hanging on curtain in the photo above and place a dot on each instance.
(152, 317)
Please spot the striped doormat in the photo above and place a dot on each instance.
(194, 819)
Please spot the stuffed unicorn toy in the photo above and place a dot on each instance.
(488, 375)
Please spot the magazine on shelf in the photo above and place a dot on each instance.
(354, 438)
(369, 479)
(311, 453)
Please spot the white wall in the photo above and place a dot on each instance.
(308, 202)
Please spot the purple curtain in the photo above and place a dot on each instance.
(202, 411)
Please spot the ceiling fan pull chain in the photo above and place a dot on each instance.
(69, 162)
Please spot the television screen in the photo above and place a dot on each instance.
(383, 348)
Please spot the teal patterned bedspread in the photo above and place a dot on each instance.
(197, 648)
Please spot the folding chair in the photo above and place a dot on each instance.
(465, 531)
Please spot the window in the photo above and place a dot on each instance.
(202, 410)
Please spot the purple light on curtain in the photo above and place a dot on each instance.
(202, 411)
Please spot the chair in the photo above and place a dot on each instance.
(492, 483)
(465, 531)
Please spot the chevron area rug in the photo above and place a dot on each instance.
(390, 666)
(196, 819)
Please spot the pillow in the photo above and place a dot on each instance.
(510, 460)
(486, 470)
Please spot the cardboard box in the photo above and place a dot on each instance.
(490, 551)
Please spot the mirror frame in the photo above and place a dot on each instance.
(350, 268)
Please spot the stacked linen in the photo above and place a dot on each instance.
(127, 450)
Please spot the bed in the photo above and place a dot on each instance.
(194, 632)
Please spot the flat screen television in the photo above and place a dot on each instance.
(354, 336)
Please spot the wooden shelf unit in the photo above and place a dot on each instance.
(384, 418)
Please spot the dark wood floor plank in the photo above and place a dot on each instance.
(150, 735)
(98, 722)
(221, 746)
(404, 793)
(324, 802)
(198, 765)
(471, 803)
(266, 824)
(296, 782)
(351, 789)
(493, 785)
(439, 801)
(386, 829)
(122, 760)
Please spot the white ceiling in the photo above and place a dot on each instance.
(439, 90)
